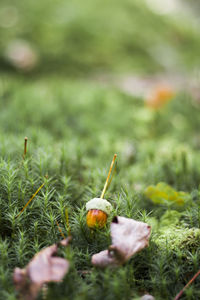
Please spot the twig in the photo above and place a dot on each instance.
(113, 173)
(189, 282)
(107, 179)
(31, 199)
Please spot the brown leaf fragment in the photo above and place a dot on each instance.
(147, 297)
(66, 241)
(128, 237)
(44, 267)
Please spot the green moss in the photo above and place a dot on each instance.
(170, 218)
(184, 239)
(74, 128)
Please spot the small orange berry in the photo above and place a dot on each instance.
(96, 218)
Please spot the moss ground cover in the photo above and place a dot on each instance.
(75, 125)
(74, 128)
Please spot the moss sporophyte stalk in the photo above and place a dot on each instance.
(98, 209)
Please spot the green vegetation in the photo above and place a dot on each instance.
(74, 127)
(79, 38)
(75, 124)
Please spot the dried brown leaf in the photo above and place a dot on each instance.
(44, 267)
(128, 237)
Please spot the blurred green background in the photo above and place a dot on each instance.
(86, 37)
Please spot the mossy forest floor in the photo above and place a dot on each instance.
(74, 127)
(75, 123)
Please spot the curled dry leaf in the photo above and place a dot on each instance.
(44, 267)
(128, 237)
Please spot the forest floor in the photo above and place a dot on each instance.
(74, 127)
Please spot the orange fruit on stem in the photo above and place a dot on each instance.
(98, 210)
(96, 218)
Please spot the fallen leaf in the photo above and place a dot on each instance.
(163, 193)
(43, 268)
(128, 237)
(159, 97)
